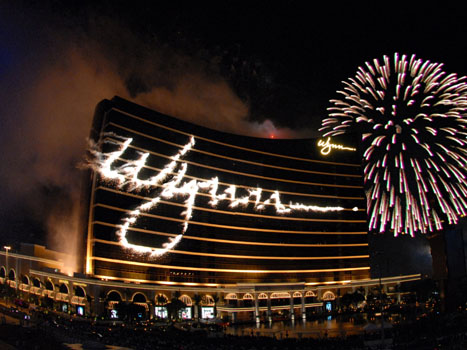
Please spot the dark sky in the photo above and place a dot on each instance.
(255, 69)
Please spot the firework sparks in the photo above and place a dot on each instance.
(411, 116)
(170, 179)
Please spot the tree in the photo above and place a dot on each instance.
(357, 298)
(175, 305)
(90, 300)
(346, 300)
(197, 299)
(161, 299)
(216, 299)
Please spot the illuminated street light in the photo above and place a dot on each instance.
(7, 248)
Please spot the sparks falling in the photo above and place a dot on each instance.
(411, 115)
(170, 180)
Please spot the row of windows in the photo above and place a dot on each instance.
(301, 152)
(173, 223)
(202, 203)
(247, 252)
(225, 239)
(125, 271)
(223, 243)
(205, 159)
(238, 264)
(238, 173)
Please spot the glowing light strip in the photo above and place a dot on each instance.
(227, 287)
(167, 283)
(230, 145)
(257, 257)
(236, 227)
(217, 240)
(132, 131)
(236, 213)
(187, 268)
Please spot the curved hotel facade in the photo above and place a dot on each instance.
(253, 226)
(233, 209)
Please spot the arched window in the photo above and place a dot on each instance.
(207, 300)
(139, 298)
(161, 299)
(328, 296)
(79, 292)
(114, 296)
(262, 296)
(231, 296)
(63, 288)
(282, 295)
(12, 275)
(297, 295)
(2, 272)
(49, 285)
(247, 296)
(310, 293)
(36, 282)
(186, 299)
(25, 279)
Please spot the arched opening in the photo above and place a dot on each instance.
(114, 296)
(25, 279)
(2, 272)
(49, 285)
(112, 300)
(139, 298)
(328, 296)
(12, 275)
(186, 299)
(297, 298)
(248, 300)
(263, 299)
(63, 288)
(160, 310)
(79, 292)
(310, 297)
(161, 299)
(185, 312)
(36, 282)
(207, 300)
(231, 299)
(282, 298)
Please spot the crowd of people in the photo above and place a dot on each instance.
(47, 330)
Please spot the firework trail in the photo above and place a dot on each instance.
(412, 118)
(170, 178)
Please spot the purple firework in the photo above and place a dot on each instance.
(412, 118)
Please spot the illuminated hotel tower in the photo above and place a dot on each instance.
(173, 202)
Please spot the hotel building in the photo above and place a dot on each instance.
(253, 225)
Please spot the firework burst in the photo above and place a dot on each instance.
(412, 118)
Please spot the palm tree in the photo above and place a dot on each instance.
(197, 298)
(215, 297)
(175, 305)
(161, 299)
(90, 300)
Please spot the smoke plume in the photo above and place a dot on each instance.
(52, 79)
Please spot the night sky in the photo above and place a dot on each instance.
(255, 69)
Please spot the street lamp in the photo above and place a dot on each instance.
(7, 248)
